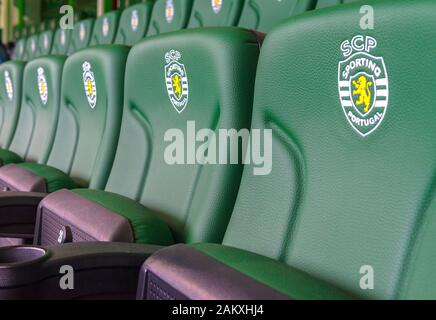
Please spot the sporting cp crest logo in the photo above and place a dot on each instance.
(42, 85)
(45, 41)
(134, 20)
(169, 11)
(105, 27)
(82, 32)
(176, 80)
(363, 85)
(89, 83)
(8, 86)
(216, 5)
(62, 37)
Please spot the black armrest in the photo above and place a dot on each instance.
(18, 213)
(100, 270)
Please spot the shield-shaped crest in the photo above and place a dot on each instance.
(363, 91)
(42, 86)
(134, 20)
(45, 41)
(176, 80)
(89, 84)
(62, 37)
(216, 5)
(105, 26)
(33, 45)
(8, 85)
(169, 11)
(82, 32)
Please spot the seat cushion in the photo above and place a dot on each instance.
(147, 228)
(54, 178)
(7, 157)
(91, 215)
(33, 177)
(190, 271)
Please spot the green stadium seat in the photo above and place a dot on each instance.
(20, 49)
(61, 41)
(105, 28)
(154, 201)
(81, 35)
(87, 129)
(215, 13)
(169, 15)
(11, 77)
(134, 23)
(352, 190)
(45, 42)
(31, 48)
(36, 126)
(263, 15)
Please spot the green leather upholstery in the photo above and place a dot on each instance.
(336, 200)
(20, 49)
(45, 42)
(194, 200)
(280, 276)
(36, 127)
(215, 13)
(81, 35)
(11, 79)
(61, 41)
(105, 28)
(263, 15)
(31, 30)
(169, 15)
(31, 48)
(134, 23)
(329, 3)
(89, 121)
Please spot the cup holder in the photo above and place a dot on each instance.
(12, 256)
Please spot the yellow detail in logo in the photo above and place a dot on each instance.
(90, 91)
(177, 86)
(362, 88)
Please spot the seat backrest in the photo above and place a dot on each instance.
(38, 117)
(61, 41)
(263, 15)
(215, 13)
(213, 95)
(31, 30)
(81, 35)
(20, 49)
(353, 176)
(90, 114)
(11, 79)
(105, 28)
(45, 42)
(134, 23)
(169, 15)
(31, 47)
